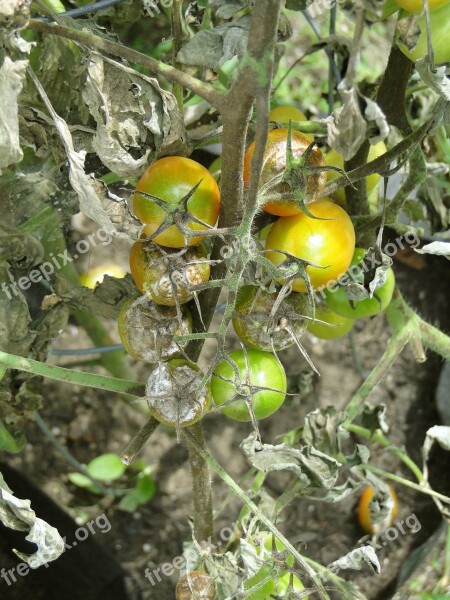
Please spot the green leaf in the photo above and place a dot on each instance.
(130, 501)
(83, 482)
(106, 467)
(8, 442)
(146, 488)
(143, 492)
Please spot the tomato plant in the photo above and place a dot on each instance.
(275, 157)
(173, 180)
(386, 506)
(106, 128)
(259, 379)
(327, 241)
(333, 326)
(337, 296)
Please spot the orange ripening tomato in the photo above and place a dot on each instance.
(364, 516)
(275, 163)
(328, 242)
(171, 179)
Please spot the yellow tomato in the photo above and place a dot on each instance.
(415, 6)
(285, 113)
(327, 241)
(96, 274)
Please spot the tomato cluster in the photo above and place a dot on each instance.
(174, 197)
(308, 248)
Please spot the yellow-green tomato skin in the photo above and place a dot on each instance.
(337, 160)
(171, 179)
(440, 36)
(264, 370)
(338, 325)
(416, 6)
(327, 241)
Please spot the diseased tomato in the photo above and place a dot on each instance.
(147, 330)
(196, 585)
(337, 296)
(275, 164)
(416, 6)
(255, 326)
(337, 327)
(327, 242)
(173, 395)
(388, 507)
(440, 36)
(333, 159)
(172, 179)
(164, 274)
(256, 370)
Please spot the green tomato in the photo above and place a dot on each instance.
(263, 370)
(215, 168)
(337, 298)
(342, 325)
(440, 36)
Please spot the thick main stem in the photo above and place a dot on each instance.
(253, 80)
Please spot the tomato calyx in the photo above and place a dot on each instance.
(176, 214)
(292, 268)
(295, 176)
(175, 394)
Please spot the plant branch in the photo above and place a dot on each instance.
(255, 510)
(122, 386)
(201, 487)
(94, 42)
